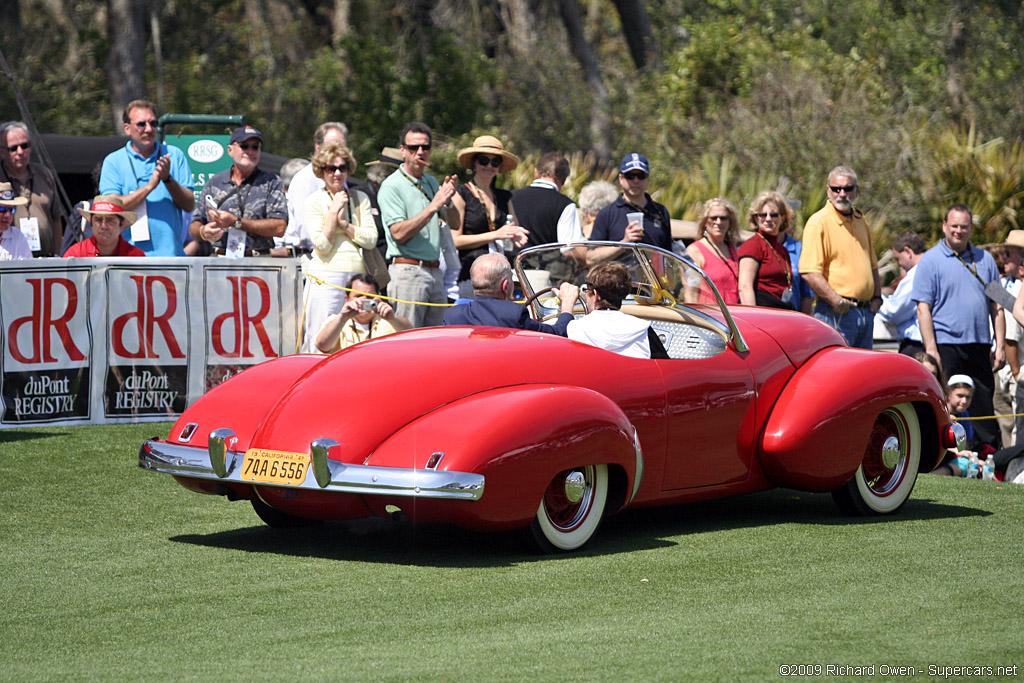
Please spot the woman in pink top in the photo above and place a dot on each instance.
(715, 252)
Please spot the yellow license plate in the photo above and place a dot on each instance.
(275, 467)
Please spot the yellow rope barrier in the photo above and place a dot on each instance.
(317, 280)
(985, 417)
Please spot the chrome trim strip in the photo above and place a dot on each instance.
(639, 466)
(189, 461)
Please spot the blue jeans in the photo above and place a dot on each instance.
(856, 325)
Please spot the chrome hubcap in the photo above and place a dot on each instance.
(891, 452)
(575, 486)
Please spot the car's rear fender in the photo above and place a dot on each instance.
(242, 402)
(818, 429)
(519, 438)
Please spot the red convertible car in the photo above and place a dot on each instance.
(500, 429)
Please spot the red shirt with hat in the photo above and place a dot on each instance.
(88, 248)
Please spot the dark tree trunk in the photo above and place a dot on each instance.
(126, 59)
(954, 60)
(636, 26)
(600, 120)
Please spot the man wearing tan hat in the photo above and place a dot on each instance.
(1009, 392)
(108, 218)
(13, 244)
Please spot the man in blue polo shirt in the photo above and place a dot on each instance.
(953, 312)
(153, 181)
(655, 226)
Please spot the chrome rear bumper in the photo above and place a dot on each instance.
(323, 475)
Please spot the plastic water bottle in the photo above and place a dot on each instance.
(506, 243)
(973, 468)
(988, 469)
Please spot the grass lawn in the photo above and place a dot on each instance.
(113, 573)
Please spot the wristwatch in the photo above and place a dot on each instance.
(238, 224)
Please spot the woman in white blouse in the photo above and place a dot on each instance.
(339, 221)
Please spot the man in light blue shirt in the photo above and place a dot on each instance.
(899, 310)
(953, 312)
(153, 180)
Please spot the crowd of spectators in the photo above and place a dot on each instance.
(418, 238)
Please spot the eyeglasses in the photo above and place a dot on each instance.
(20, 145)
(767, 214)
(250, 147)
(141, 125)
(635, 176)
(331, 168)
(490, 161)
(7, 209)
(416, 148)
(848, 189)
(718, 219)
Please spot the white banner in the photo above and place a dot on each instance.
(92, 341)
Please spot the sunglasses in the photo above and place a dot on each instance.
(718, 219)
(20, 145)
(141, 125)
(635, 176)
(7, 209)
(490, 161)
(766, 214)
(253, 147)
(416, 148)
(331, 168)
(842, 188)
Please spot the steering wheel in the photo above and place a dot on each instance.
(539, 293)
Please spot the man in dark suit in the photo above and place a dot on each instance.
(491, 275)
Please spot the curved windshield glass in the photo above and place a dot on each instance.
(659, 277)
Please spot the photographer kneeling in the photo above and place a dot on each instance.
(361, 317)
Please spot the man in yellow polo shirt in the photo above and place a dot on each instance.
(839, 264)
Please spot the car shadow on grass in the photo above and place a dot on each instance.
(440, 545)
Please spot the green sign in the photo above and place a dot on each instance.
(206, 154)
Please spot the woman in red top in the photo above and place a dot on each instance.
(715, 251)
(108, 218)
(766, 277)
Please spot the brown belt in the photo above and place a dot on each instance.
(414, 262)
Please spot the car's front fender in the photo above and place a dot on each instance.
(519, 438)
(818, 429)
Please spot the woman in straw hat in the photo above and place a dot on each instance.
(485, 212)
(108, 218)
(13, 244)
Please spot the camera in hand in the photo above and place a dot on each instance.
(369, 304)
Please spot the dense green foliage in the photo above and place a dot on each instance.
(746, 94)
(112, 573)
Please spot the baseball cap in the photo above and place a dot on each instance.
(243, 133)
(634, 162)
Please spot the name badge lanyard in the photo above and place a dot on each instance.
(786, 267)
(419, 187)
(719, 254)
(973, 267)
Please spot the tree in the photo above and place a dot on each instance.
(126, 59)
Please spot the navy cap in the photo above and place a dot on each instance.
(634, 162)
(243, 133)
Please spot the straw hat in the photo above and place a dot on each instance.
(488, 144)
(1015, 238)
(109, 205)
(7, 197)
(389, 156)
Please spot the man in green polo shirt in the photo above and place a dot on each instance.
(410, 201)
